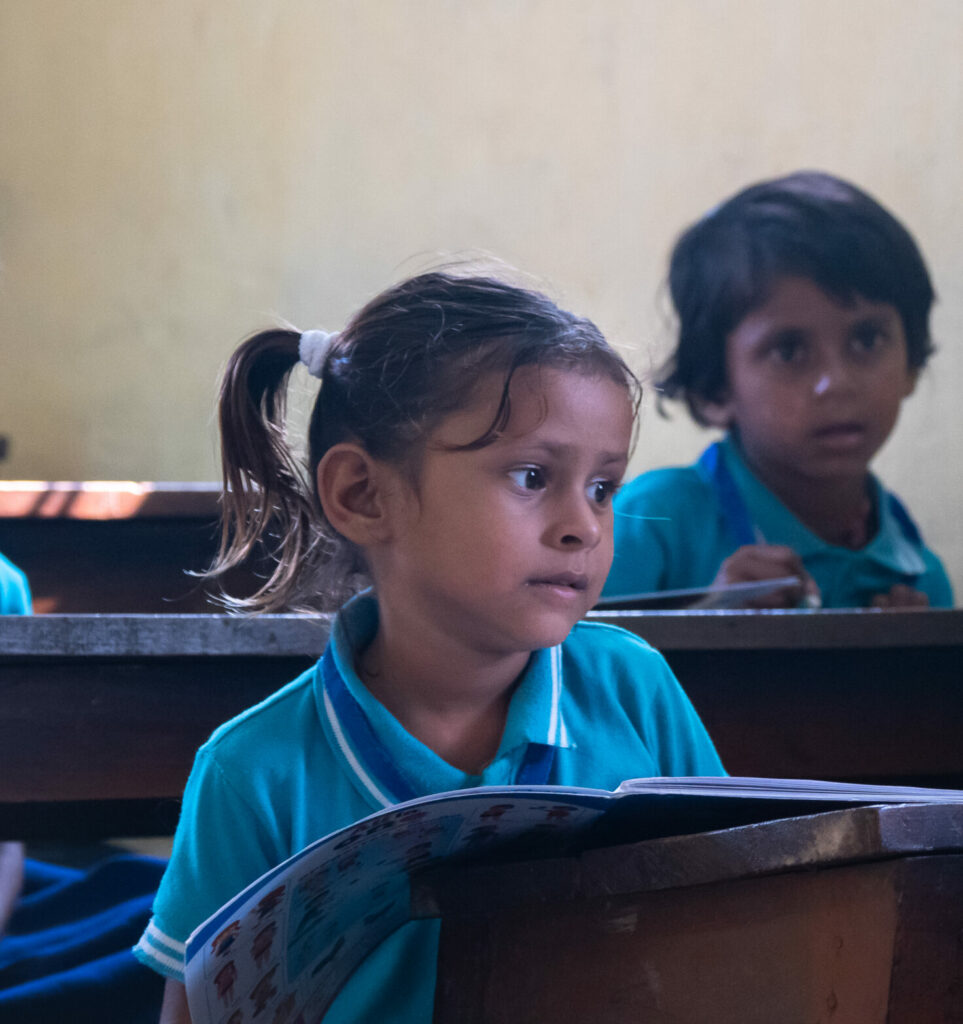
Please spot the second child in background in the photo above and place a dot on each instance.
(463, 451)
(803, 318)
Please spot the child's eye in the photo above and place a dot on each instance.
(867, 337)
(601, 491)
(788, 348)
(528, 478)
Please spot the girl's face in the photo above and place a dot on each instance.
(814, 385)
(508, 546)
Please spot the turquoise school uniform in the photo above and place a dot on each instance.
(322, 752)
(674, 527)
(14, 590)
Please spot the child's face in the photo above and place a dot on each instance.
(507, 547)
(814, 385)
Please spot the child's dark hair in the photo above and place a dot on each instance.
(409, 358)
(808, 224)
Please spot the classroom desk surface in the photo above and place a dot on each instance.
(852, 916)
(116, 635)
(100, 714)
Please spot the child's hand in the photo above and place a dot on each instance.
(768, 562)
(900, 596)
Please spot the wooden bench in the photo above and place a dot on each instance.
(100, 715)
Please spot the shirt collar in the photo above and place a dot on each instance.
(535, 712)
(534, 716)
(776, 524)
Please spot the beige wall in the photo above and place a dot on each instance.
(173, 175)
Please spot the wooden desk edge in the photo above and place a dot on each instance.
(183, 635)
(828, 839)
(203, 634)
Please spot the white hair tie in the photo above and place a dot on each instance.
(313, 348)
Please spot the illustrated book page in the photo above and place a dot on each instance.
(284, 947)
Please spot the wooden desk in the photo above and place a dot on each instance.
(850, 916)
(112, 546)
(852, 695)
(100, 715)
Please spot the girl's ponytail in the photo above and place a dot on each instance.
(267, 506)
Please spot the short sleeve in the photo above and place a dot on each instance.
(222, 844)
(628, 715)
(935, 583)
(638, 565)
(665, 534)
(669, 724)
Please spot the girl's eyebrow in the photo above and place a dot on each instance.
(561, 450)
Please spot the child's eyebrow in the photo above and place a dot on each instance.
(877, 319)
(561, 451)
(780, 331)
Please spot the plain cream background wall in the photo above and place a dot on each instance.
(174, 175)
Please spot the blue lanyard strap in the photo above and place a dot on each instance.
(362, 737)
(909, 528)
(537, 765)
(910, 531)
(734, 509)
(535, 769)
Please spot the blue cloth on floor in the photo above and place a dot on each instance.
(66, 955)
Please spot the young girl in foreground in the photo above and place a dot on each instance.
(463, 452)
(803, 312)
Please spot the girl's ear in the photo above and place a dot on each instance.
(356, 493)
(716, 413)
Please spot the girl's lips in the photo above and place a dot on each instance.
(570, 580)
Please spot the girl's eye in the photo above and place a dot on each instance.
(528, 478)
(601, 491)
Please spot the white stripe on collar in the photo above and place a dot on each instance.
(556, 727)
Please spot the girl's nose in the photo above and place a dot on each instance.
(579, 525)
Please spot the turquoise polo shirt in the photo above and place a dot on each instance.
(672, 532)
(290, 770)
(14, 590)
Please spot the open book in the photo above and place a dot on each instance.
(287, 943)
